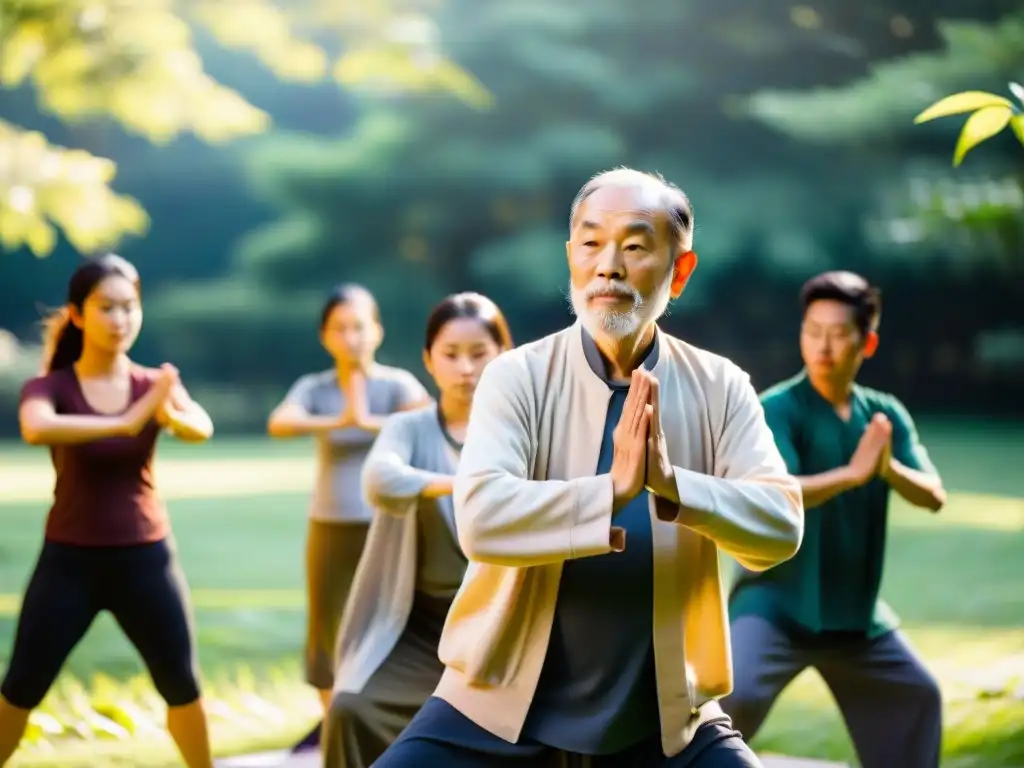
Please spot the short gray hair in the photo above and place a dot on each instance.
(677, 205)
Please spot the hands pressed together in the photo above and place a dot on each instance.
(357, 410)
(640, 457)
(156, 402)
(873, 455)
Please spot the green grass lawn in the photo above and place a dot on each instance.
(957, 580)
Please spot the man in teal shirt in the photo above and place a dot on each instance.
(848, 446)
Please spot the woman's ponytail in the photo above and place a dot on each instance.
(62, 341)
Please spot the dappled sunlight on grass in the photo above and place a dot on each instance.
(178, 478)
(957, 579)
(978, 733)
(238, 509)
(971, 510)
(982, 730)
(247, 709)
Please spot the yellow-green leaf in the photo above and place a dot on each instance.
(1017, 126)
(982, 125)
(14, 227)
(41, 238)
(297, 61)
(83, 168)
(958, 103)
(21, 52)
(129, 216)
(464, 85)
(356, 66)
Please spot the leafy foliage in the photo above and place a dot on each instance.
(991, 114)
(877, 107)
(136, 63)
(871, 120)
(41, 183)
(454, 199)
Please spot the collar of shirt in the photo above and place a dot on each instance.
(599, 365)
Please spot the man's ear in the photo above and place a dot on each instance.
(683, 267)
(870, 344)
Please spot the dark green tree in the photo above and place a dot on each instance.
(427, 195)
(137, 64)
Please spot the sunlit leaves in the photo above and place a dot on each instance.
(266, 30)
(991, 114)
(402, 55)
(958, 103)
(882, 105)
(982, 125)
(22, 49)
(134, 61)
(395, 70)
(131, 61)
(43, 187)
(1017, 126)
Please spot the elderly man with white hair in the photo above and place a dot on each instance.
(605, 467)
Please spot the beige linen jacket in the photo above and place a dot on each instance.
(526, 500)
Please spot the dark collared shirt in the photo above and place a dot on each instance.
(597, 692)
(831, 585)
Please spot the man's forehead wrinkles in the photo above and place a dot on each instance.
(637, 217)
(631, 223)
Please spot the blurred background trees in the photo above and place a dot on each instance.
(135, 62)
(447, 158)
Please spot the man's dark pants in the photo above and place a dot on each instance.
(441, 735)
(891, 704)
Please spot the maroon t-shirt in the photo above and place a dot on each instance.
(105, 493)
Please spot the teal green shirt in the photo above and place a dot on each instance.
(832, 583)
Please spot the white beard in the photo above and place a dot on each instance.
(620, 324)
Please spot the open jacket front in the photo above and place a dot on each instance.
(410, 450)
(526, 500)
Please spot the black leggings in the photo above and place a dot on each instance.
(141, 585)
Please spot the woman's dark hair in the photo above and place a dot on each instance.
(347, 293)
(850, 289)
(62, 339)
(473, 306)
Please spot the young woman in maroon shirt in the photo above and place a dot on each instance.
(108, 543)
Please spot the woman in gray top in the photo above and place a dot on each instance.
(412, 565)
(344, 409)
